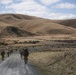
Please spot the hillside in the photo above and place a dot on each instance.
(11, 31)
(70, 22)
(43, 27)
(55, 63)
(14, 18)
(3, 25)
(36, 25)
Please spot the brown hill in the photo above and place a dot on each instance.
(3, 25)
(43, 27)
(11, 31)
(36, 25)
(70, 22)
(14, 18)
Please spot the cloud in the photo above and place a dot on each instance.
(28, 6)
(8, 11)
(49, 2)
(27, 0)
(5, 1)
(61, 16)
(66, 5)
(33, 8)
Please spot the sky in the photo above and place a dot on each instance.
(50, 9)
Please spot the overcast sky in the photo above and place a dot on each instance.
(51, 9)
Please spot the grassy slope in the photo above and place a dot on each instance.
(69, 22)
(45, 27)
(42, 60)
(55, 63)
(36, 25)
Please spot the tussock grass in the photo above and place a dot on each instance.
(42, 59)
(55, 63)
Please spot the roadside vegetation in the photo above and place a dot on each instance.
(26, 42)
(2, 43)
(55, 63)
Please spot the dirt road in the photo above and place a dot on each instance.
(14, 65)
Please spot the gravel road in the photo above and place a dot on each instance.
(14, 65)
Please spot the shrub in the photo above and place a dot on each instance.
(15, 42)
(2, 43)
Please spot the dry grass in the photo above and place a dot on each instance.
(55, 63)
(35, 25)
(70, 22)
(43, 57)
(41, 38)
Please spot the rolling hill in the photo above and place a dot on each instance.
(35, 25)
(70, 22)
(45, 27)
(11, 31)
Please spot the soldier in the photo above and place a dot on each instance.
(2, 55)
(25, 54)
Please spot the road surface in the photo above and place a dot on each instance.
(14, 65)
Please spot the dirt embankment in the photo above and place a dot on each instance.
(55, 63)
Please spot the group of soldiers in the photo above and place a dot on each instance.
(23, 53)
(2, 53)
